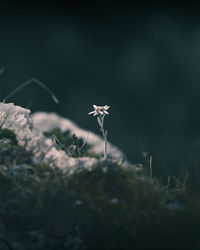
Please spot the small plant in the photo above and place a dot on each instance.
(100, 112)
(73, 145)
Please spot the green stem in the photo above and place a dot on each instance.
(104, 134)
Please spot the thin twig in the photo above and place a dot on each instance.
(85, 141)
(150, 165)
(32, 80)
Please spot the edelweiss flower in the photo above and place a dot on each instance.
(100, 110)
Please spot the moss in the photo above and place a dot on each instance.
(110, 207)
(112, 181)
(107, 208)
(10, 151)
(9, 135)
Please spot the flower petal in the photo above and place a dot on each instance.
(106, 107)
(91, 112)
(106, 112)
(94, 106)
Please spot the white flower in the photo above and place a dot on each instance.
(100, 110)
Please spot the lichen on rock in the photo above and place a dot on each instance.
(103, 206)
(29, 134)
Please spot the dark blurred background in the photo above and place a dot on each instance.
(142, 59)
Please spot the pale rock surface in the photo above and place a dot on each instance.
(29, 131)
(46, 122)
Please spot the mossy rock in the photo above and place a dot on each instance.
(10, 151)
(109, 207)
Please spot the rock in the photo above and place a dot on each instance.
(29, 132)
(46, 122)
